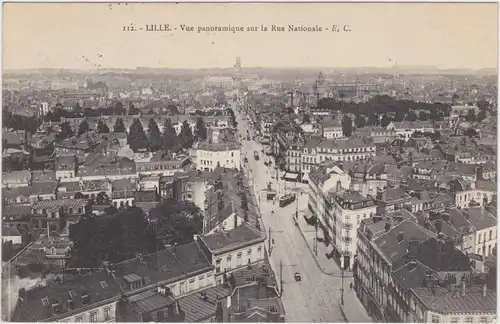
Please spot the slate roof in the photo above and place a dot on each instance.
(393, 250)
(56, 204)
(164, 266)
(238, 237)
(486, 185)
(444, 301)
(412, 278)
(32, 308)
(10, 231)
(480, 218)
(197, 309)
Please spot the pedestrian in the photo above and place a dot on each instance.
(351, 285)
(273, 243)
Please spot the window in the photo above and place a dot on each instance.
(435, 319)
(104, 285)
(454, 320)
(160, 316)
(79, 319)
(201, 281)
(45, 301)
(238, 260)
(491, 235)
(181, 287)
(191, 284)
(72, 294)
(93, 317)
(468, 320)
(217, 266)
(165, 268)
(228, 261)
(259, 252)
(483, 320)
(107, 313)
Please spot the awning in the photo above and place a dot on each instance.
(305, 177)
(291, 176)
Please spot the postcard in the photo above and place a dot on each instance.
(249, 162)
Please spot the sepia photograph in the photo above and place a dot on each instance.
(249, 162)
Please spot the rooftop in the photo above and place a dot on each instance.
(441, 300)
(238, 237)
(71, 297)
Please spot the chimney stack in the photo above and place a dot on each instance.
(400, 237)
(485, 290)
(463, 289)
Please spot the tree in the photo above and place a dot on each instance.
(83, 127)
(119, 126)
(77, 109)
(118, 109)
(400, 116)
(102, 198)
(347, 126)
(411, 116)
(30, 124)
(102, 128)
(481, 115)
(471, 132)
(6, 116)
(385, 120)
(422, 116)
(177, 221)
(154, 136)
(201, 129)
(132, 110)
(471, 116)
(372, 120)
(66, 131)
(136, 138)
(186, 135)
(360, 121)
(112, 238)
(169, 138)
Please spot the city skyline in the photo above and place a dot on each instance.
(445, 36)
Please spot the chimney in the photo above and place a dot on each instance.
(387, 226)
(413, 247)
(400, 237)
(22, 294)
(463, 289)
(412, 265)
(485, 290)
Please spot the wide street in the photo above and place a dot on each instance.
(316, 297)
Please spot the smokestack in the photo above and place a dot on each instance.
(463, 289)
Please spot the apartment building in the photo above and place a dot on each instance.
(399, 261)
(213, 155)
(233, 250)
(348, 209)
(316, 150)
(287, 143)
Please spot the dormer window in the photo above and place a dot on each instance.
(45, 301)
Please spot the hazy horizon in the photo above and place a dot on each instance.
(456, 36)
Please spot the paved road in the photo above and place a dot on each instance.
(316, 297)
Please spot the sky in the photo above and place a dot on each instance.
(86, 35)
